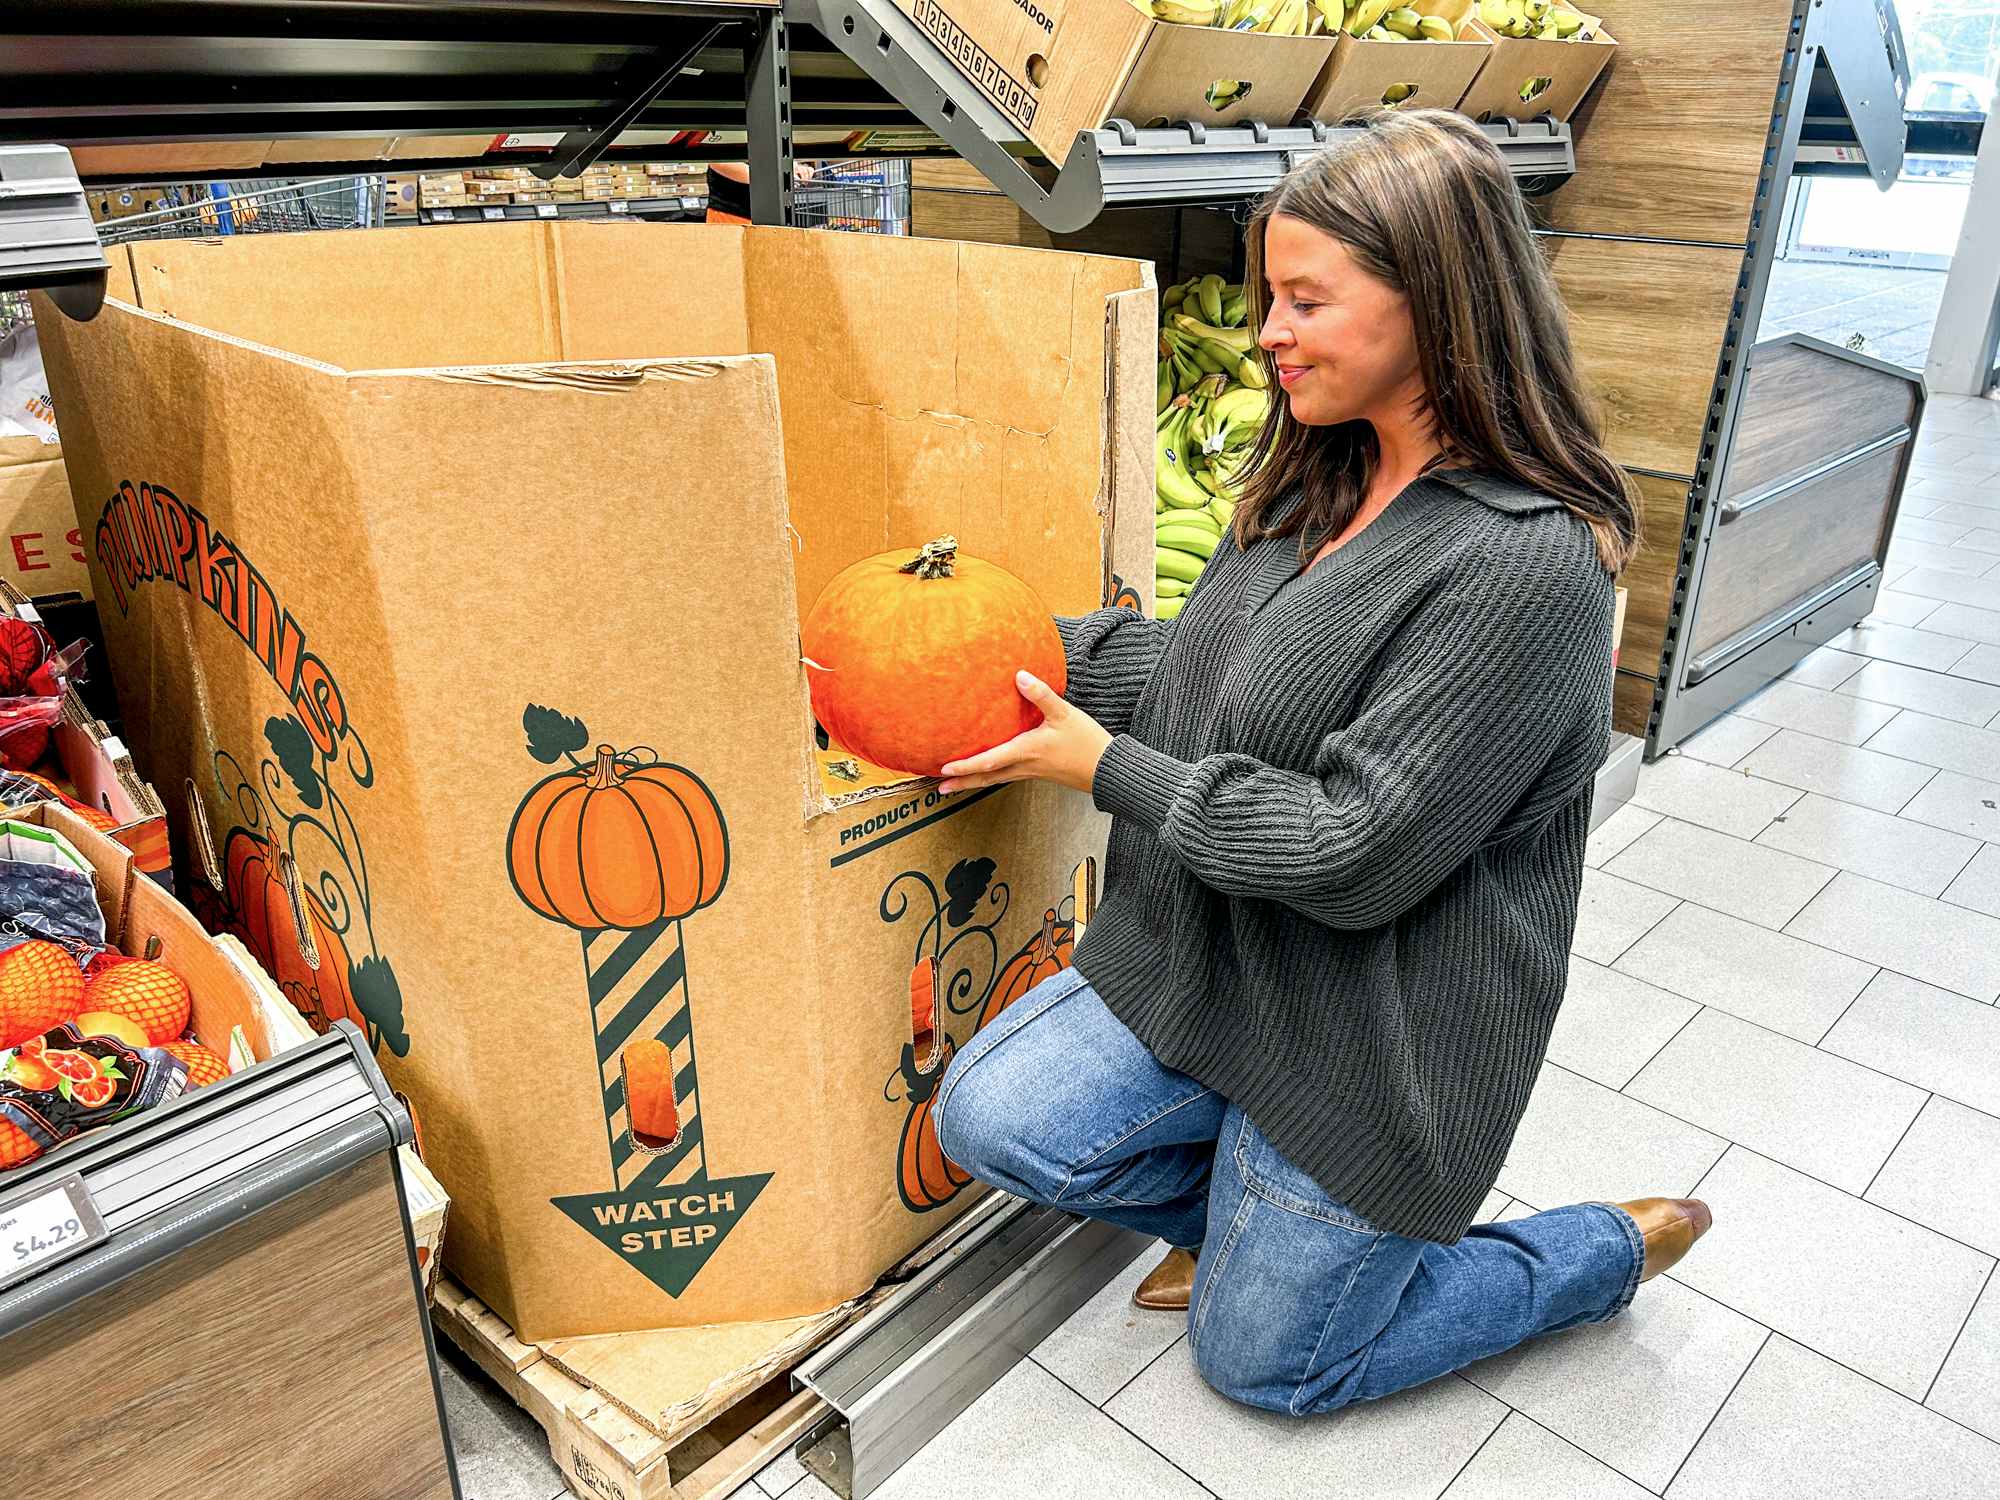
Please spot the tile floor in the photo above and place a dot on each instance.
(1890, 308)
(1783, 1001)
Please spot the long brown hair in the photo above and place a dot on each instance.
(1425, 202)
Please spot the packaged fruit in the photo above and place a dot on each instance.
(40, 987)
(204, 1067)
(148, 993)
(58, 1084)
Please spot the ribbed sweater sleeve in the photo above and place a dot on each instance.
(1462, 716)
(1108, 655)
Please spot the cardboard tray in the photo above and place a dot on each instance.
(1055, 67)
(1360, 72)
(1559, 73)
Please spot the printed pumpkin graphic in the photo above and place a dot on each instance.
(261, 915)
(925, 1177)
(1047, 954)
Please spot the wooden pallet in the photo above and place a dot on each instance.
(681, 1414)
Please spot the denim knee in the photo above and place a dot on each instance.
(977, 1116)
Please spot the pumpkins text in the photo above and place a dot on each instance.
(146, 531)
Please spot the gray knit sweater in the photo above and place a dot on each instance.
(1349, 809)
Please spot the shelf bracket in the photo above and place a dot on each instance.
(580, 147)
(1120, 165)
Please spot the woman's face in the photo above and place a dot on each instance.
(1344, 343)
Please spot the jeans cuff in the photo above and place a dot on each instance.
(1638, 1241)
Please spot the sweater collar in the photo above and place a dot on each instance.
(1496, 490)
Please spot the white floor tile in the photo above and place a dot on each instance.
(1920, 529)
(1728, 739)
(1696, 792)
(1962, 505)
(1941, 743)
(1979, 539)
(1636, 1392)
(1830, 1118)
(1913, 648)
(1802, 1428)
(1610, 1024)
(1404, 1447)
(1895, 608)
(1963, 804)
(1782, 983)
(1761, 885)
(1952, 588)
(1890, 849)
(1942, 1174)
(1615, 832)
(1881, 1295)
(1968, 1387)
(780, 1475)
(1978, 887)
(1825, 668)
(1032, 1435)
(1967, 623)
(1945, 559)
(1107, 1341)
(1936, 693)
(1582, 1142)
(1613, 914)
(1494, 1206)
(1980, 664)
(1830, 715)
(1926, 1036)
(1910, 934)
(1525, 1458)
(1868, 777)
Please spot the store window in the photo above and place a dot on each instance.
(1864, 268)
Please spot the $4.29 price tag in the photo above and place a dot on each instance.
(43, 1225)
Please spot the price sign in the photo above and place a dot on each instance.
(442, 216)
(620, 207)
(492, 213)
(689, 205)
(545, 210)
(44, 1225)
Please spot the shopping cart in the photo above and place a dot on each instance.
(865, 196)
(191, 210)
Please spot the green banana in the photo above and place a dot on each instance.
(1240, 405)
(1494, 13)
(1232, 338)
(1169, 588)
(1200, 520)
(1169, 607)
(1164, 386)
(1190, 539)
(1170, 467)
(1224, 510)
(1251, 373)
(1169, 562)
(1211, 297)
(1187, 12)
(1234, 310)
(1366, 14)
(1210, 357)
(1568, 24)
(1396, 93)
(1404, 22)
(1436, 28)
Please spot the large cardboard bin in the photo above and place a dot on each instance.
(1525, 78)
(457, 575)
(1055, 67)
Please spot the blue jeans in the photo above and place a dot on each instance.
(1299, 1304)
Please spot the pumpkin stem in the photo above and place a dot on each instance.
(934, 560)
(605, 772)
(1048, 938)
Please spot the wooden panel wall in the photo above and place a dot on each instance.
(1647, 242)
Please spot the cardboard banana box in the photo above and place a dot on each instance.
(401, 690)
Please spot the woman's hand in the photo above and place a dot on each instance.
(1064, 748)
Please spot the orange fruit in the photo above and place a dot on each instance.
(75, 1066)
(111, 1024)
(110, 958)
(17, 1147)
(40, 987)
(93, 1093)
(151, 995)
(203, 1066)
(32, 1073)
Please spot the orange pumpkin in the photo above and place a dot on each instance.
(262, 917)
(926, 1178)
(618, 844)
(923, 1007)
(649, 1093)
(911, 658)
(1047, 954)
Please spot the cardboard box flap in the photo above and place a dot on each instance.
(1179, 68)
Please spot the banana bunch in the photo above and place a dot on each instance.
(1277, 17)
(1390, 21)
(1211, 402)
(1542, 20)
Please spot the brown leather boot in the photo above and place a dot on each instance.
(1170, 1284)
(1669, 1226)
